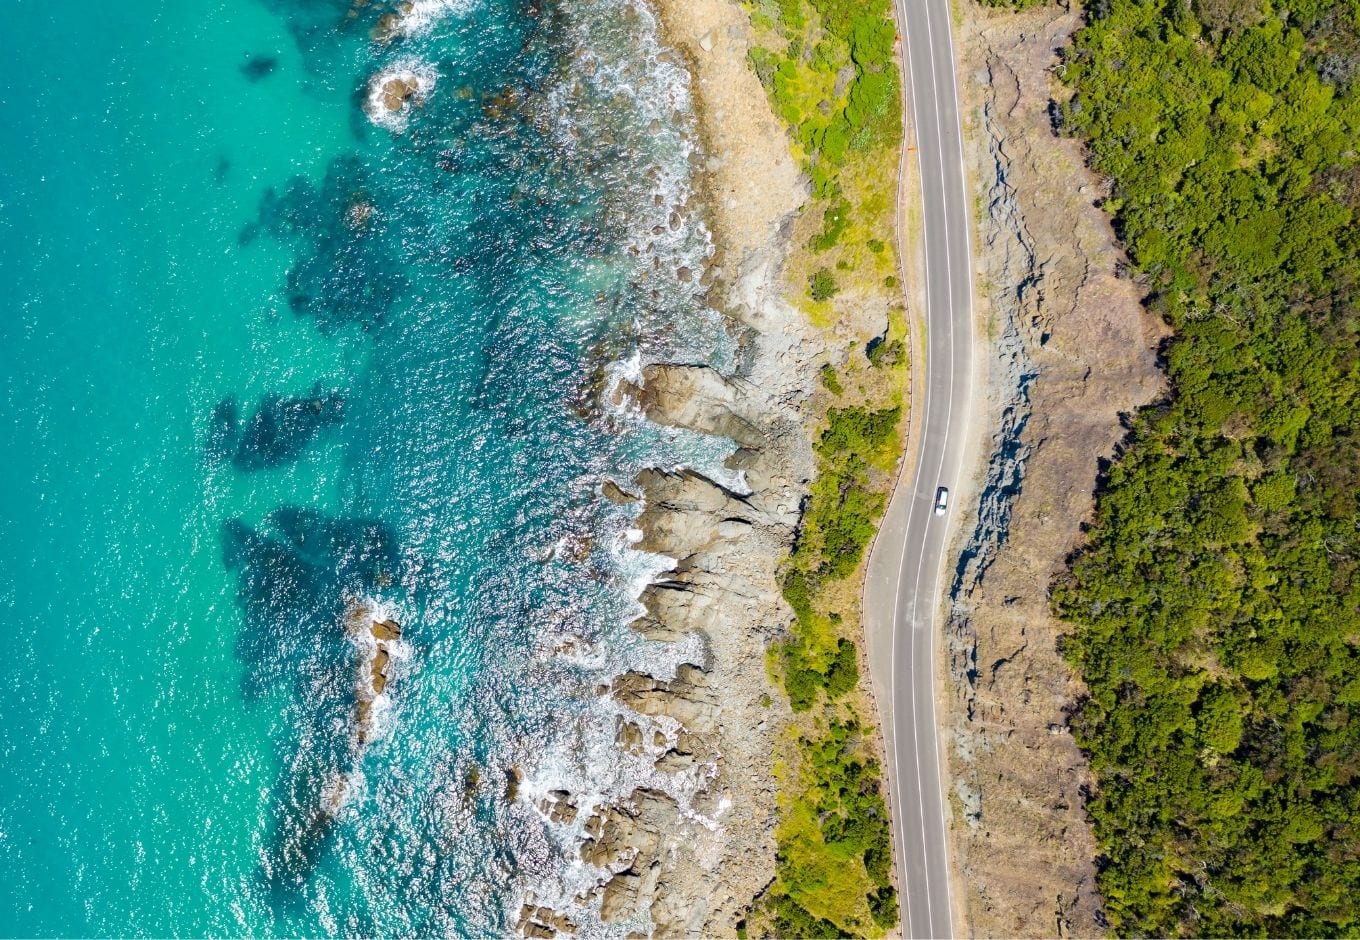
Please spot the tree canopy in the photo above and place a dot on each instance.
(1216, 610)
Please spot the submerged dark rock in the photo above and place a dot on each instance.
(259, 67)
(278, 431)
(281, 428)
(222, 429)
(347, 271)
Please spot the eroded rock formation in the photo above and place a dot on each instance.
(685, 858)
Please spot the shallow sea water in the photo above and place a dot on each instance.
(265, 356)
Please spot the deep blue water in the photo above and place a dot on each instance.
(265, 358)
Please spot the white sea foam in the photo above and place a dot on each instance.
(416, 17)
(598, 774)
(622, 378)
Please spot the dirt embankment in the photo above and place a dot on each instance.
(1071, 352)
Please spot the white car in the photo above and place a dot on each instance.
(941, 500)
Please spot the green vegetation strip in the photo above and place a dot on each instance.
(1216, 610)
(835, 844)
(829, 68)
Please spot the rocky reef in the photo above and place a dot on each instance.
(376, 638)
(376, 641)
(397, 90)
(318, 799)
(689, 866)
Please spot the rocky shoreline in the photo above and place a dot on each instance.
(692, 867)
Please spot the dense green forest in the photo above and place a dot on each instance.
(1216, 610)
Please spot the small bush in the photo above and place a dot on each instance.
(830, 381)
(835, 220)
(883, 905)
(764, 64)
(844, 672)
(822, 286)
(885, 353)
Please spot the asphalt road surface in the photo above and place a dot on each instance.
(907, 568)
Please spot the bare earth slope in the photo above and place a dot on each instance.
(1070, 351)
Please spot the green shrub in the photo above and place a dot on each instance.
(883, 906)
(764, 64)
(822, 286)
(829, 379)
(801, 682)
(838, 525)
(843, 674)
(791, 16)
(859, 35)
(792, 921)
(834, 844)
(835, 220)
(885, 353)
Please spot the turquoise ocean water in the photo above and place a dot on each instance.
(266, 356)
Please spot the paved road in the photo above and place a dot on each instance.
(907, 569)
